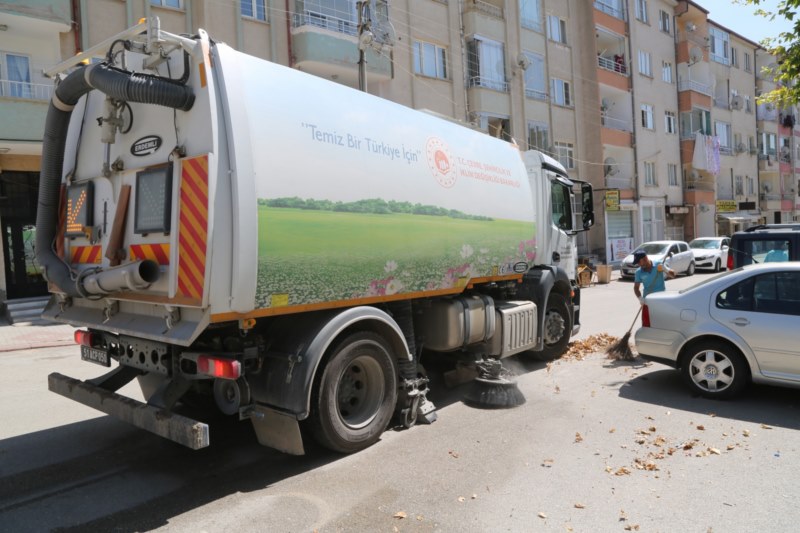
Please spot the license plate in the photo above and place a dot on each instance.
(95, 355)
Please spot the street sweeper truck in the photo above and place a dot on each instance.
(244, 237)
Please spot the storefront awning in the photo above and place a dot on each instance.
(738, 217)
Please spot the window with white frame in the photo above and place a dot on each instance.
(748, 105)
(535, 80)
(641, 11)
(739, 186)
(723, 131)
(672, 174)
(647, 116)
(664, 21)
(177, 4)
(560, 92)
(254, 9)
(556, 29)
(767, 144)
(670, 122)
(751, 185)
(645, 63)
(430, 60)
(486, 64)
(15, 76)
(734, 57)
(538, 135)
(565, 154)
(720, 44)
(530, 12)
(666, 71)
(650, 173)
(747, 65)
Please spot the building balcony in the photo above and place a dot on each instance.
(770, 202)
(328, 47)
(767, 163)
(696, 86)
(616, 137)
(619, 182)
(615, 64)
(485, 8)
(23, 110)
(609, 9)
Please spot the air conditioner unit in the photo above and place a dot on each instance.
(736, 102)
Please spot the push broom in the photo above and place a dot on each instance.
(622, 348)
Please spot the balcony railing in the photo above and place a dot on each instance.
(610, 10)
(480, 81)
(726, 150)
(28, 91)
(616, 123)
(721, 102)
(318, 20)
(696, 86)
(485, 7)
(614, 65)
(538, 95)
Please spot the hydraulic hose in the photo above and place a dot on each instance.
(118, 84)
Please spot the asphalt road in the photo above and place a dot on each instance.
(598, 446)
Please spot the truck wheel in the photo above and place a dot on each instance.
(557, 328)
(355, 394)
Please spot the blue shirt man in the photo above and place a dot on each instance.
(651, 274)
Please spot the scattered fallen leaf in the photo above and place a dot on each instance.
(542, 515)
(622, 515)
(420, 518)
(474, 496)
(612, 430)
(746, 433)
(764, 426)
(731, 446)
(578, 350)
(640, 440)
(400, 514)
(580, 506)
(632, 527)
(578, 437)
(453, 454)
(608, 468)
(701, 427)
(622, 471)
(548, 463)
(652, 429)
(660, 441)
(715, 451)
(462, 499)
(557, 389)
(649, 418)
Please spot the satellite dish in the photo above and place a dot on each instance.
(606, 103)
(767, 186)
(691, 26)
(610, 167)
(523, 62)
(695, 55)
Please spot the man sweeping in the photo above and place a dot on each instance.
(651, 273)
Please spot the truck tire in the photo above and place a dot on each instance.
(557, 328)
(354, 395)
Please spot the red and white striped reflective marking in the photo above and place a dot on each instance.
(193, 230)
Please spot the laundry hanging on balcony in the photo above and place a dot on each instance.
(706, 153)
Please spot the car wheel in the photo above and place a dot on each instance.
(718, 265)
(690, 270)
(715, 369)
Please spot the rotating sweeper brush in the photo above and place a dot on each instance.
(491, 390)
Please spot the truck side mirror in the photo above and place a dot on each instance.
(587, 202)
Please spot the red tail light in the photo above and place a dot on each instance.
(730, 261)
(84, 338)
(645, 316)
(219, 367)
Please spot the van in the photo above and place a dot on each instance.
(764, 243)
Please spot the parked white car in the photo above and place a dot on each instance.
(710, 252)
(732, 329)
(679, 257)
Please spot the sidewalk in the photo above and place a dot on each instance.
(27, 336)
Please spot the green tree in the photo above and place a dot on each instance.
(786, 49)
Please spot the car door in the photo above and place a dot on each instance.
(686, 255)
(764, 311)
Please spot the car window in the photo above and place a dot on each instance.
(653, 248)
(777, 292)
(738, 297)
(765, 251)
(683, 247)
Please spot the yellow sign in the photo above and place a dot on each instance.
(726, 206)
(612, 200)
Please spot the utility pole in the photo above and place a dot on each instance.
(365, 38)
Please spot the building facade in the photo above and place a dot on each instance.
(649, 100)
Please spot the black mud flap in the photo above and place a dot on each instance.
(175, 427)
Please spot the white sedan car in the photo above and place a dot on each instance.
(677, 254)
(710, 252)
(732, 329)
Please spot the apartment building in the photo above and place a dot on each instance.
(683, 150)
(30, 40)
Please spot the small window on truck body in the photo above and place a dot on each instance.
(153, 200)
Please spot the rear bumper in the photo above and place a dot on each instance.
(177, 428)
(660, 345)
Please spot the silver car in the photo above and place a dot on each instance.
(738, 327)
(711, 252)
(675, 254)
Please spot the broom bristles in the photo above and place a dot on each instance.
(621, 349)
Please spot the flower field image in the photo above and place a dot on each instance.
(309, 256)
